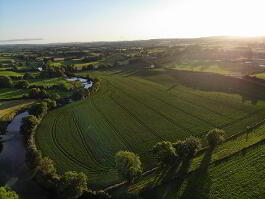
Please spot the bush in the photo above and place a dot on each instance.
(215, 137)
(28, 76)
(128, 165)
(37, 93)
(188, 148)
(6, 82)
(39, 109)
(22, 84)
(79, 94)
(7, 193)
(165, 153)
(29, 123)
(95, 195)
(72, 185)
(50, 103)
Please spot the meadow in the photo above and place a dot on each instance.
(8, 110)
(133, 112)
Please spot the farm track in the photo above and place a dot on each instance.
(154, 110)
(125, 142)
(188, 101)
(86, 145)
(155, 133)
(179, 109)
(221, 126)
(65, 153)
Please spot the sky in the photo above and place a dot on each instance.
(50, 21)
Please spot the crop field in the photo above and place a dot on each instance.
(241, 177)
(133, 113)
(8, 110)
(10, 73)
(11, 93)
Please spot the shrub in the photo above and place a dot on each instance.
(7, 193)
(6, 82)
(22, 84)
(39, 109)
(37, 93)
(188, 148)
(50, 103)
(72, 185)
(29, 123)
(128, 165)
(28, 76)
(165, 153)
(89, 194)
(215, 136)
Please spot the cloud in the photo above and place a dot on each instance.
(16, 40)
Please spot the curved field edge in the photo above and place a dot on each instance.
(84, 136)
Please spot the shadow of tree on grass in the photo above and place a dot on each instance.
(198, 185)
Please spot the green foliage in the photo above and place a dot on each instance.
(72, 185)
(29, 123)
(128, 165)
(165, 153)
(7, 193)
(46, 167)
(215, 136)
(22, 84)
(95, 195)
(37, 93)
(134, 113)
(6, 82)
(187, 148)
(39, 109)
(79, 94)
(50, 103)
(28, 76)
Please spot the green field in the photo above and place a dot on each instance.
(133, 113)
(260, 75)
(8, 110)
(11, 73)
(11, 93)
(241, 177)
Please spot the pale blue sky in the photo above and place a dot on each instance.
(108, 20)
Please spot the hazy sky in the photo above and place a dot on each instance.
(108, 20)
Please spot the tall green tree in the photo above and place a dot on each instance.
(7, 193)
(72, 185)
(128, 165)
(165, 153)
(215, 137)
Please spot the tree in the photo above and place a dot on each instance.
(37, 93)
(50, 103)
(165, 153)
(46, 167)
(22, 84)
(39, 109)
(214, 137)
(89, 194)
(6, 82)
(72, 185)
(29, 124)
(28, 76)
(128, 165)
(188, 148)
(7, 193)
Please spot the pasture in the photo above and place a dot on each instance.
(133, 112)
(8, 110)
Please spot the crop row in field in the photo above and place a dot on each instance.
(132, 113)
(240, 177)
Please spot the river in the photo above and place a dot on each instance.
(14, 172)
